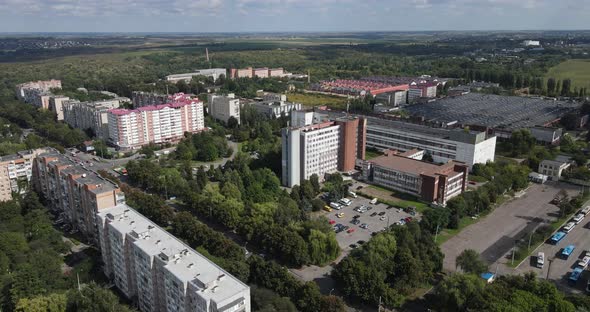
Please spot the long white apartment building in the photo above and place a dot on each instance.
(160, 271)
(223, 107)
(73, 191)
(90, 115)
(469, 147)
(214, 73)
(130, 129)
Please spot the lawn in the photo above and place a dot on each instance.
(576, 70)
(310, 100)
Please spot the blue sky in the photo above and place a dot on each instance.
(289, 15)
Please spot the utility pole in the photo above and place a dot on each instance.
(78, 278)
(514, 251)
(549, 267)
(379, 307)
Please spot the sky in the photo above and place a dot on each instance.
(290, 15)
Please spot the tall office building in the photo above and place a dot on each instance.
(166, 123)
(160, 271)
(320, 148)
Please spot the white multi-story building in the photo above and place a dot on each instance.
(162, 272)
(214, 73)
(276, 109)
(90, 115)
(531, 43)
(319, 148)
(223, 107)
(28, 91)
(129, 129)
(469, 147)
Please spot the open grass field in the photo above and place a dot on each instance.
(576, 70)
(310, 100)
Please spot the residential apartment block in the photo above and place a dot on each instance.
(133, 128)
(56, 103)
(29, 91)
(214, 73)
(408, 174)
(74, 191)
(16, 172)
(90, 115)
(223, 107)
(263, 72)
(469, 147)
(141, 99)
(320, 148)
(160, 271)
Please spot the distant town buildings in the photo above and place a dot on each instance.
(16, 172)
(133, 128)
(223, 107)
(90, 115)
(320, 148)
(407, 173)
(531, 43)
(214, 73)
(29, 91)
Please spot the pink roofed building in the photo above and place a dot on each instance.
(161, 123)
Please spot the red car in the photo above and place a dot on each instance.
(350, 230)
(408, 219)
(332, 221)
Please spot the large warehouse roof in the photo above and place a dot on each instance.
(496, 111)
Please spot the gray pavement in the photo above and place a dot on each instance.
(494, 236)
(557, 268)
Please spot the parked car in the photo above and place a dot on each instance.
(383, 218)
(352, 246)
(578, 218)
(382, 213)
(540, 259)
(332, 222)
(360, 242)
(584, 262)
(356, 217)
(408, 219)
(350, 230)
(364, 226)
(340, 215)
(373, 214)
(355, 221)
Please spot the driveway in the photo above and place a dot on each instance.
(494, 236)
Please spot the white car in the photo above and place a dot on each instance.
(584, 262)
(540, 259)
(578, 218)
(569, 227)
(336, 206)
(345, 201)
(585, 210)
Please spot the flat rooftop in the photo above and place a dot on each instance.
(186, 264)
(494, 111)
(413, 166)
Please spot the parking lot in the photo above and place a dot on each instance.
(557, 268)
(376, 219)
(494, 236)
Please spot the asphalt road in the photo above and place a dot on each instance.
(495, 235)
(556, 268)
